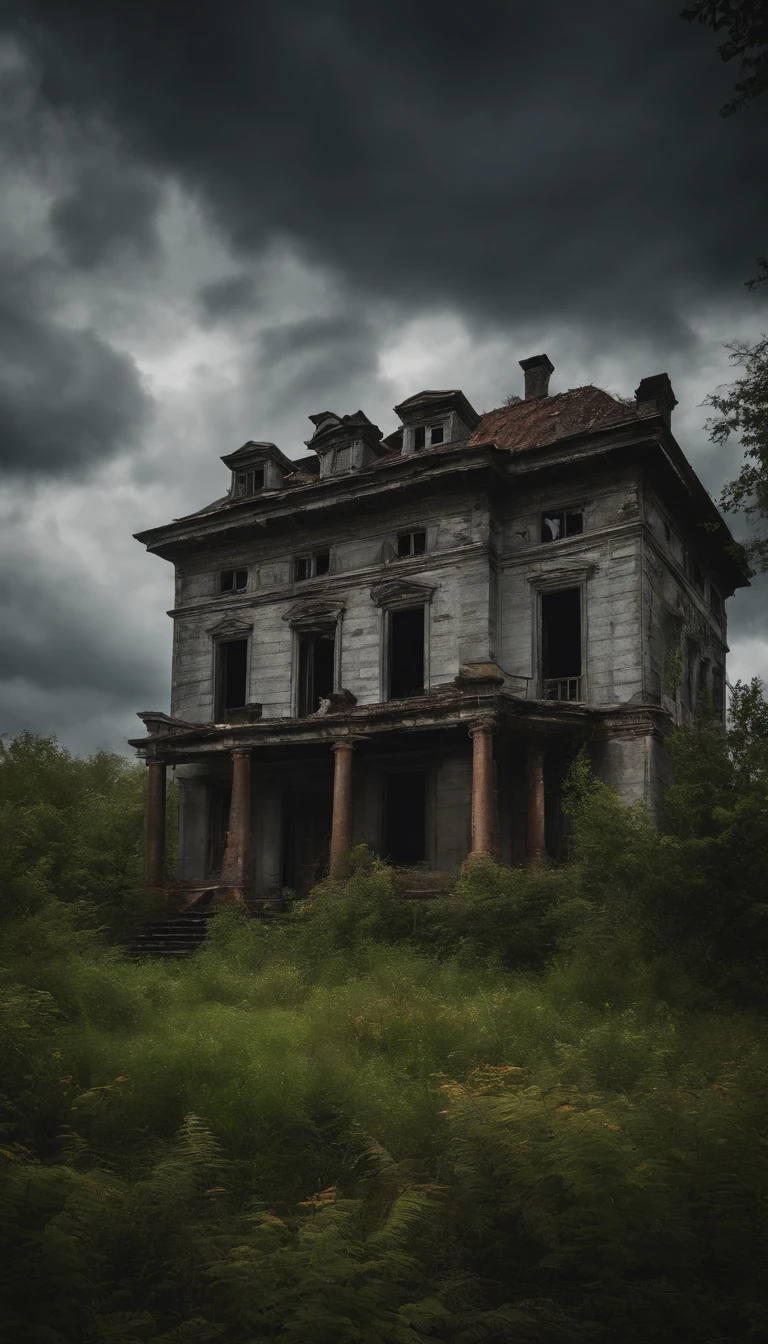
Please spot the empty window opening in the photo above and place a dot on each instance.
(565, 523)
(667, 532)
(436, 434)
(218, 825)
(715, 602)
(311, 566)
(561, 644)
(233, 675)
(317, 651)
(411, 543)
(233, 580)
(697, 576)
(406, 652)
(405, 817)
(420, 437)
(249, 482)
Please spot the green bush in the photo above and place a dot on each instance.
(532, 1109)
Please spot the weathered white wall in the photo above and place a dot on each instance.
(605, 559)
(676, 614)
(363, 553)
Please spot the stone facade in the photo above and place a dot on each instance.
(403, 640)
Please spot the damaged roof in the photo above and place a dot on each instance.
(543, 420)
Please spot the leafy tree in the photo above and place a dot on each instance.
(742, 409)
(745, 24)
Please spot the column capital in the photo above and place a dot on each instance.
(345, 744)
(486, 725)
(241, 751)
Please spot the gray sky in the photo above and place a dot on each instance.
(220, 218)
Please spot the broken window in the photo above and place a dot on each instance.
(715, 602)
(436, 434)
(317, 657)
(420, 437)
(561, 644)
(564, 523)
(249, 482)
(233, 580)
(411, 543)
(697, 576)
(406, 652)
(232, 676)
(405, 815)
(311, 566)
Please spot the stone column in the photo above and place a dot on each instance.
(236, 868)
(154, 849)
(535, 842)
(484, 805)
(341, 826)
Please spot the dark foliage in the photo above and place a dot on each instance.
(532, 1109)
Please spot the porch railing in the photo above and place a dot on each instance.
(561, 688)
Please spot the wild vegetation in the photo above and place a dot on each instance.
(531, 1110)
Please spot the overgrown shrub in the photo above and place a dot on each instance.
(532, 1109)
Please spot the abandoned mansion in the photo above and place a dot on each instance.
(402, 640)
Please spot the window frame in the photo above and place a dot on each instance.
(411, 552)
(311, 557)
(235, 587)
(564, 513)
(243, 474)
(219, 708)
(386, 661)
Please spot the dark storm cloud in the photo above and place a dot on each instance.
(68, 400)
(309, 357)
(109, 208)
(222, 300)
(513, 161)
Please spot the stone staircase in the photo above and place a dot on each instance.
(177, 935)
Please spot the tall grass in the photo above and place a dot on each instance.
(524, 1111)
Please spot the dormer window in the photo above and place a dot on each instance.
(428, 436)
(311, 566)
(561, 523)
(249, 482)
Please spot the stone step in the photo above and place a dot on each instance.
(174, 936)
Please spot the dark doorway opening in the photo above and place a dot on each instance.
(556, 821)
(406, 652)
(561, 644)
(306, 838)
(218, 825)
(317, 654)
(233, 675)
(405, 817)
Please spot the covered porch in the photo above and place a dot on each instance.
(277, 804)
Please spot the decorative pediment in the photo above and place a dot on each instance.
(570, 576)
(231, 627)
(314, 614)
(401, 593)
